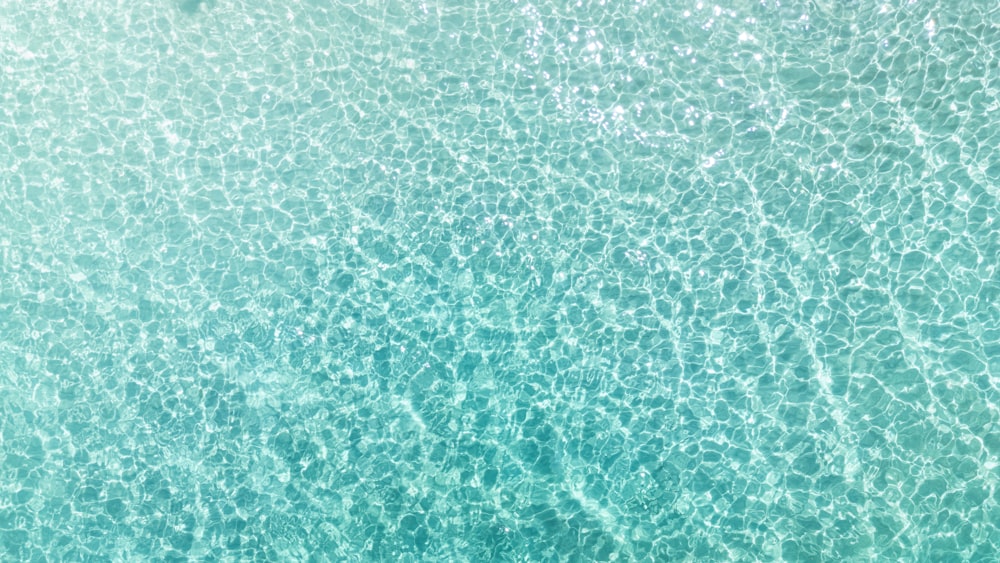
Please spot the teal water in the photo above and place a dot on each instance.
(386, 280)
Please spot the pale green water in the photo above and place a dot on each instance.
(508, 281)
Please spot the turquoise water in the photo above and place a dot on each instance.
(379, 280)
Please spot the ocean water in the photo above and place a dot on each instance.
(499, 280)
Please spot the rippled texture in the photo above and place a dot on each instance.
(510, 281)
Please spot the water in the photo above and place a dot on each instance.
(510, 281)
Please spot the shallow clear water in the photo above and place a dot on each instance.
(512, 281)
